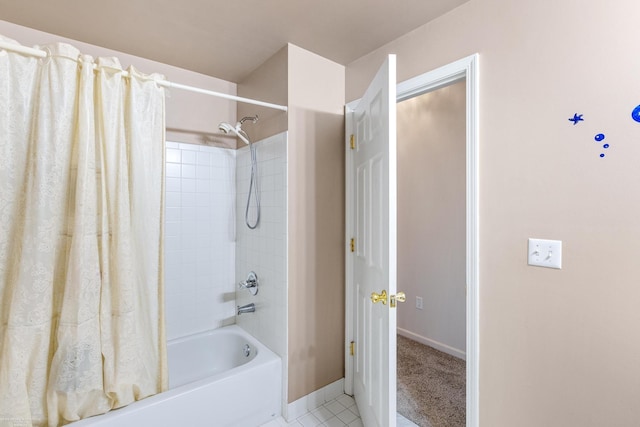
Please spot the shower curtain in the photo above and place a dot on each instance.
(81, 202)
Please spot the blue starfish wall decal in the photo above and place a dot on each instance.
(576, 118)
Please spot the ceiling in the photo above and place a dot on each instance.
(228, 39)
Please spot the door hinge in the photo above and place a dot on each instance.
(353, 245)
(352, 348)
(352, 141)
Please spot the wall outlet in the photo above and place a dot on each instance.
(419, 303)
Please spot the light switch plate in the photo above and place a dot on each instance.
(545, 253)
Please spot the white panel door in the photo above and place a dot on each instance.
(374, 264)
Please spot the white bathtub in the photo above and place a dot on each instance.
(211, 383)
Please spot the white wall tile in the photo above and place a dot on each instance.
(188, 157)
(173, 170)
(172, 184)
(188, 215)
(172, 200)
(203, 158)
(171, 243)
(173, 156)
(188, 200)
(188, 185)
(188, 171)
(172, 228)
(203, 172)
(203, 186)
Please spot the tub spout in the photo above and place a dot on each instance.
(247, 308)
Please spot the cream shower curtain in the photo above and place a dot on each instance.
(81, 201)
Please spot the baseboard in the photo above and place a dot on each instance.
(433, 343)
(313, 400)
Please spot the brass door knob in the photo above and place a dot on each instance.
(379, 297)
(399, 297)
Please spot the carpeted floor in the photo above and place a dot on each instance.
(431, 385)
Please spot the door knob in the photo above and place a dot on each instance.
(399, 297)
(381, 297)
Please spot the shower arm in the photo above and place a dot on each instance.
(253, 119)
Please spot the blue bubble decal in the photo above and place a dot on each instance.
(599, 137)
(635, 114)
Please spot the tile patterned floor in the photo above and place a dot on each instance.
(339, 412)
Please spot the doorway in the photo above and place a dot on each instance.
(372, 112)
(431, 345)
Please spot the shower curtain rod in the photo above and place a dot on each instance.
(165, 83)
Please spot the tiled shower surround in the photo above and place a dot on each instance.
(264, 249)
(199, 238)
(209, 249)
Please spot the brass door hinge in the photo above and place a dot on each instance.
(352, 348)
(353, 245)
(352, 140)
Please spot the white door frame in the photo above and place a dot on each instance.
(430, 81)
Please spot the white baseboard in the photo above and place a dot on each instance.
(435, 344)
(313, 400)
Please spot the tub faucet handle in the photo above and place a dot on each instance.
(251, 283)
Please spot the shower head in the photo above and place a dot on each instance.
(226, 128)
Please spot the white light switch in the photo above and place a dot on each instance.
(545, 253)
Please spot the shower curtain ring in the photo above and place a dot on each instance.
(47, 58)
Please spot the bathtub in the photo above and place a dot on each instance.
(218, 378)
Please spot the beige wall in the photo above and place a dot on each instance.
(190, 117)
(313, 89)
(316, 222)
(557, 347)
(267, 83)
(431, 217)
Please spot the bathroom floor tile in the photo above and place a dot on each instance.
(323, 414)
(346, 401)
(334, 422)
(339, 412)
(354, 409)
(309, 420)
(335, 407)
(347, 416)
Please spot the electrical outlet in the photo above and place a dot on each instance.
(419, 303)
(545, 253)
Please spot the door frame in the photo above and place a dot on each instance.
(464, 68)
